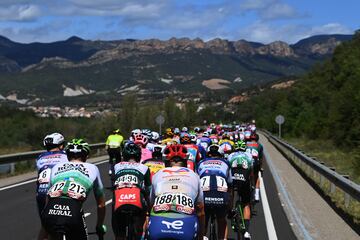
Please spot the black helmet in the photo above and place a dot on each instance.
(77, 148)
(131, 150)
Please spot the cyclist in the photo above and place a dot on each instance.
(54, 144)
(256, 150)
(153, 140)
(242, 169)
(71, 183)
(132, 182)
(216, 180)
(169, 137)
(177, 200)
(156, 162)
(113, 147)
(192, 149)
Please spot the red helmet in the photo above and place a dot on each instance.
(141, 139)
(175, 150)
(185, 138)
(254, 136)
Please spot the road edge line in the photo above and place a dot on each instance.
(292, 211)
(270, 227)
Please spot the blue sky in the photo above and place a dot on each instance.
(254, 20)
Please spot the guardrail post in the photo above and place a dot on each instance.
(12, 168)
(346, 195)
(333, 187)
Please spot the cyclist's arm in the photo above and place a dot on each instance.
(200, 211)
(147, 187)
(100, 199)
(107, 143)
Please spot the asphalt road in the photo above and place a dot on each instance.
(19, 217)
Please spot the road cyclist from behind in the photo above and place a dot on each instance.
(131, 194)
(192, 149)
(70, 186)
(177, 202)
(113, 147)
(54, 144)
(216, 183)
(157, 162)
(256, 150)
(241, 163)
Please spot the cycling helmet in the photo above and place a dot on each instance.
(141, 139)
(214, 150)
(169, 133)
(131, 151)
(155, 136)
(116, 131)
(53, 140)
(146, 132)
(206, 134)
(184, 129)
(176, 152)
(157, 152)
(247, 135)
(225, 135)
(193, 138)
(176, 131)
(254, 136)
(185, 138)
(77, 148)
(240, 146)
(197, 129)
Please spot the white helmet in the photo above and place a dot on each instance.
(53, 139)
(155, 136)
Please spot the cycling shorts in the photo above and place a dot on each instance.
(64, 216)
(114, 153)
(242, 184)
(216, 199)
(172, 226)
(41, 202)
(121, 219)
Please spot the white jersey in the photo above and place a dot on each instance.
(75, 180)
(44, 163)
(176, 189)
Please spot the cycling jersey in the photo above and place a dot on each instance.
(240, 159)
(145, 154)
(175, 193)
(169, 141)
(44, 163)
(194, 156)
(154, 165)
(75, 180)
(114, 141)
(215, 177)
(255, 149)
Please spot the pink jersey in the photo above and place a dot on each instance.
(145, 154)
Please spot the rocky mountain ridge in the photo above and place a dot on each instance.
(76, 52)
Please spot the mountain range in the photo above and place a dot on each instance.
(96, 71)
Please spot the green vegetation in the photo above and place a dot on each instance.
(322, 106)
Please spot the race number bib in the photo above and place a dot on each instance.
(177, 202)
(44, 176)
(57, 189)
(127, 180)
(254, 153)
(76, 191)
(220, 184)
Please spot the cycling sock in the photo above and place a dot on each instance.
(247, 224)
(257, 194)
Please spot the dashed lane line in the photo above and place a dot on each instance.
(106, 203)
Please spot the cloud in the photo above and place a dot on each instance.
(271, 9)
(19, 12)
(266, 33)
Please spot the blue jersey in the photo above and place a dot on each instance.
(214, 167)
(44, 163)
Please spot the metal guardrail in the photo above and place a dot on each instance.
(24, 156)
(349, 188)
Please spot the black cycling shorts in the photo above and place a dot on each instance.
(114, 153)
(64, 216)
(242, 184)
(122, 216)
(41, 202)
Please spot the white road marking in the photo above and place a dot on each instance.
(291, 207)
(268, 218)
(34, 179)
(106, 203)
